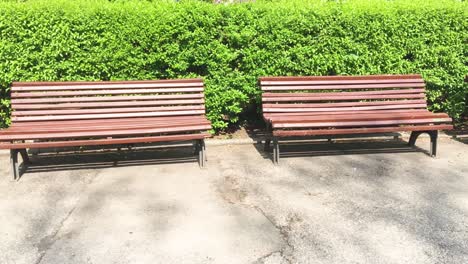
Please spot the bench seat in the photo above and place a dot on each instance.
(74, 114)
(342, 105)
(103, 132)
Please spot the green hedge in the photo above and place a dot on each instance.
(231, 45)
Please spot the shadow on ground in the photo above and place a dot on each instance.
(460, 135)
(46, 162)
(313, 148)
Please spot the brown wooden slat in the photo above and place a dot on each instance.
(349, 131)
(49, 129)
(92, 122)
(358, 117)
(269, 116)
(353, 108)
(361, 123)
(390, 77)
(107, 110)
(52, 83)
(96, 86)
(98, 127)
(382, 92)
(27, 129)
(324, 97)
(106, 133)
(314, 81)
(103, 92)
(98, 116)
(106, 98)
(107, 104)
(100, 142)
(351, 112)
(315, 105)
(339, 86)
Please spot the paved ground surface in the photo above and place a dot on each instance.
(374, 202)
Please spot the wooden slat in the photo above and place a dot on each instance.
(107, 110)
(100, 142)
(58, 83)
(96, 86)
(93, 122)
(106, 133)
(349, 131)
(382, 92)
(98, 127)
(315, 105)
(107, 104)
(353, 108)
(103, 92)
(358, 117)
(324, 97)
(98, 116)
(281, 86)
(106, 98)
(342, 78)
(269, 116)
(310, 81)
(361, 123)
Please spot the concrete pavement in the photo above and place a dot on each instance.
(358, 202)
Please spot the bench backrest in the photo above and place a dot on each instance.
(341, 94)
(47, 101)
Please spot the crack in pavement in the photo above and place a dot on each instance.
(284, 233)
(263, 258)
(235, 190)
(48, 241)
(283, 230)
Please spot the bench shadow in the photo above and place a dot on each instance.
(314, 148)
(461, 139)
(108, 158)
(460, 135)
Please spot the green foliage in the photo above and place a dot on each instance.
(231, 45)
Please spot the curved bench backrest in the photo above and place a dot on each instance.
(341, 94)
(50, 101)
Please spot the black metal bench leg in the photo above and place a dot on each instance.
(267, 145)
(24, 155)
(276, 151)
(201, 153)
(205, 156)
(14, 164)
(414, 135)
(433, 135)
(196, 148)
(267, 138)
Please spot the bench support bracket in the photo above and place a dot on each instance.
(15, 170)
(432, 134)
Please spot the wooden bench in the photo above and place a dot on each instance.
(341, 105)
(67, 114)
